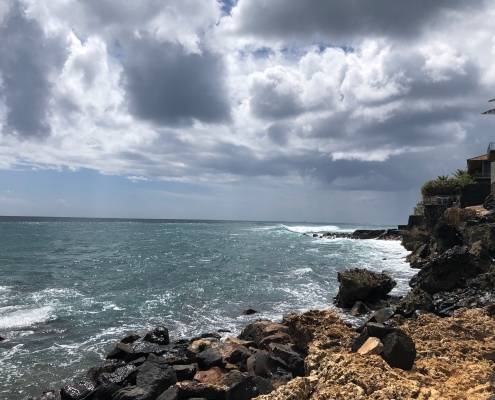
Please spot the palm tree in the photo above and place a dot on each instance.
(459, 173)
(492, 111)
(442, 177)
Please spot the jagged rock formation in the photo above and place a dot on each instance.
(450, 361)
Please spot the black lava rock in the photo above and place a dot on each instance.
(399, 350)
(361, 284)
(159, 335)
(209, 358)
(248, 388)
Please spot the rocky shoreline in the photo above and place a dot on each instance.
(438, 342)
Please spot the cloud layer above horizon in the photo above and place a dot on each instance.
(339, 95)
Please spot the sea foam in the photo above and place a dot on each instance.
(25, 317)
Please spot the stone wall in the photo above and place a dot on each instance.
(474, 195)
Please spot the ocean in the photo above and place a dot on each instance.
(69, 288)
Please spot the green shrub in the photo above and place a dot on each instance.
(439, 187)
(446, 186)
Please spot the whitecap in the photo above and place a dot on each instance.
(311, 228)
(26, 317)
(302, 271)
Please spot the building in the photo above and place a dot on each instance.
(482, 168)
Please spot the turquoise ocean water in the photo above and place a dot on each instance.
(70, 288)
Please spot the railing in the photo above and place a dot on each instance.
(491, 147)
(439, 199)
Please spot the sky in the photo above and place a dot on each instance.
(322, 110)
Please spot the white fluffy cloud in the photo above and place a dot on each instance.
(180, 91)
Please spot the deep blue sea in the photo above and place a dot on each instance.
(70, 288)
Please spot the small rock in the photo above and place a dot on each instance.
(372, 346)
(223, 330)
(2, 338)
(358, 308)
(249, 311)
(159, 335)
(382, 315)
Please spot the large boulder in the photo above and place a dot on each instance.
(259, 330)
(416, 299)
(399, 350)
(292, 355)
(155, 375)
(249, 388)
(448, 271)
(209, 358)
(361, 284)
(266, 366)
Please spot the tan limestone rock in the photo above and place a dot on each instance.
(372, 346)
(449, 362)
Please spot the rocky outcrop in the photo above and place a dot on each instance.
(362, 285)
(449, 361)
(448, 271)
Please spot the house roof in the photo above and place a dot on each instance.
(479, 158)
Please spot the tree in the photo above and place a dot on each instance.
(459, 172)
(442, 177)
(492, 111)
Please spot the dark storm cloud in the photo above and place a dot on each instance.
(342, 20)
(167, 86)
(279, 133)
(27, 57)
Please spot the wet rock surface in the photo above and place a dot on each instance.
(362, 285)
